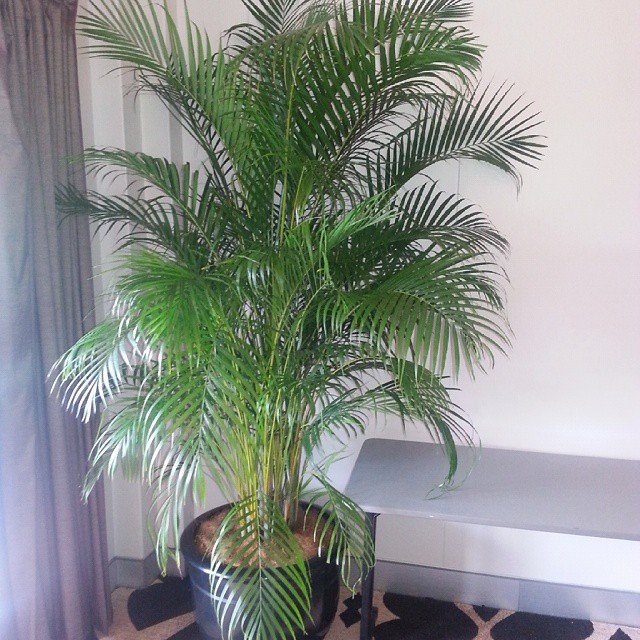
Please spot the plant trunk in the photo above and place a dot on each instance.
(290, 511)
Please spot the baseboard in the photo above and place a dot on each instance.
(603, 605)
(134, 573)
(616, 607)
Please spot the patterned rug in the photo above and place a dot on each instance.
(152, 609)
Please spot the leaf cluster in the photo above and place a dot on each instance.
(305, 276)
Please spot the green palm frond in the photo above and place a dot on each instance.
(342, 529)
(183, 185)
(443, 219)
(91, 371)
(299, 281)
(148, 222)
(494, 127)
(258, 553)
(173, 306)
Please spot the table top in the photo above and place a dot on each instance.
(586, 496)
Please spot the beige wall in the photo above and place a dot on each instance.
(571, 383)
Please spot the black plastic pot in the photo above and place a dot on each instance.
(325, 588)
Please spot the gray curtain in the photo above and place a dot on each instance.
(52, 546)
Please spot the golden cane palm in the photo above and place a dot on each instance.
(302, 277)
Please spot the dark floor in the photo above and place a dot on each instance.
(399, 618)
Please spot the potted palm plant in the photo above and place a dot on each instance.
(302, 275)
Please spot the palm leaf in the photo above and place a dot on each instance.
(492, 127)
(257, 553)
(342, 529)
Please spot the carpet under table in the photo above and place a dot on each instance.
(163, 611)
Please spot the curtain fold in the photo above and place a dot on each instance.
(52, 567)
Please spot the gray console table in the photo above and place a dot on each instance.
(521, 490)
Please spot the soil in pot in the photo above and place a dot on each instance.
(207, 532)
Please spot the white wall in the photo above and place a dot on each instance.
(108, 120)
(571, 382)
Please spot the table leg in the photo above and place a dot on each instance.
(367, 621)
